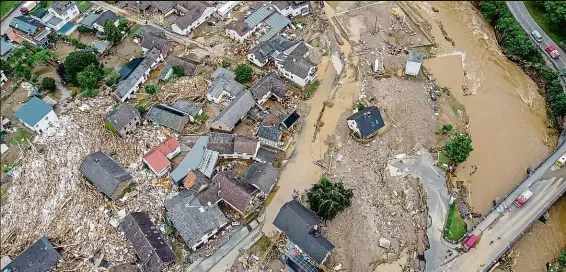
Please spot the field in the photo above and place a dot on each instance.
(6, 6)
(84, 5)
(455, 226)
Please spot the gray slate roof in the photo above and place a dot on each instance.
(192, 220)
(122, 115)
(191, 161)
(262, 51)
(415, 56)
(151, 247)
(106, 16)
(266, 154)
(223, 71)
(298, 224)
(276, 22)
(234, 190)
(298, 65)
(90, 19)
(257, 17)
(103, 172)
(187, 107)
(222, 143)
(269, 83)
(125, 85)
(40, 256)
(269, 133)
(369, 121)
(160, 42)
(189, 67)
(237, 109)
(262, 176)
(193, 11)
(223, 83)
(61, 7)
(149, 29)
(245, 145)
(167, 117)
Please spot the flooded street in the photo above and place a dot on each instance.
(301, 172)
(507, 115)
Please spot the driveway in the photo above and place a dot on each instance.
(527, 22)
(423, 167)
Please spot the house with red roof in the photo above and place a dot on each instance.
(157, 159)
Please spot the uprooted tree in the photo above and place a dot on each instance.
(329, 198)
(458, 148)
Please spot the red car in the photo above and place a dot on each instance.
(551, 50)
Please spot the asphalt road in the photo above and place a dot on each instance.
(5, 27)
(547, 183)
(527, 22)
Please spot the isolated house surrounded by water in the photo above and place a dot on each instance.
(40, 256)
(366, 122)
(107, 175)
(152, 248)
(414, 61)
(37, 115)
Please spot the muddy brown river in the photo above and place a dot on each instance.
(507, 121)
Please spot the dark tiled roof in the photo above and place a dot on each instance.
(194, 10)
(300, 50)
(192, 220)
(122, 115)
(149, 29)
(221, 71)
(61, 7)
(26, 24)
(263, 176)
(245, 145)
(40, 256)
(150, 245)
(369, 121)
(103, 172)
(266, 154)
(223, 83)
(106, 16)
(269, 83)
(129, 68)
(235, 191)
(298, 223)
(187, 107)
(167, 117)
(237, 109)
(189, 67)
(126, 85)
(162, 43)
(221, 142)
(298, 65)
(269, 133)
(262, 51)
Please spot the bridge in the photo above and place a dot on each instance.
(547, 182)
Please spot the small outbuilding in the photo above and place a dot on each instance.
(414, 62)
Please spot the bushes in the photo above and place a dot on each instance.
(243, 73)
(48, 84)
(112, 78)
(458, 148)
(150, 89)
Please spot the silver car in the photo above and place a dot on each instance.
(536, 36)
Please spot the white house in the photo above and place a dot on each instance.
(292, 8)
(106, 16)
(193, 14)
(242, 29)
(37, 115)
(414, 61)
(298, 69)
(140, 74)
(366, 122)
(226, 10)
(64, 10)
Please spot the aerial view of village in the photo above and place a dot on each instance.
(300, 136)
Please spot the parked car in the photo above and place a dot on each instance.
(536, 36)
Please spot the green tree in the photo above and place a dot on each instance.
(45, 56)
(141, 109)
(562, 258)
(225, 64)
(89, 77)
(558, 105)
(112, 78)
(108, 124)
(328, 198)
(458, 148)
(89, 92)
(112, 33)
(84, 29)
(150, 89)
(243, 73)
(122, 21)
(76, 62)
(48, 84)
(361, 106)
(447, 128)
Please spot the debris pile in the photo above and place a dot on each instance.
(191, 88)
(50, 197)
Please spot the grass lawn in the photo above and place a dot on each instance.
(309, 90)
(538, 15)
(456, 228)
(133, 31)
(6, 6)
(83, 5)
(260, 247)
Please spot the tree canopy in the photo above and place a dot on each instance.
(328, 198)
(150, 89)
(76, 62)
(48, 84)
(243, 73)
(23, 59)
(458, 148)
(89, 77)
(113, 34)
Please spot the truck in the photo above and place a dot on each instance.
(562, 160)
(27, 7)
(552, 52)
(523, 198)
(470, 242)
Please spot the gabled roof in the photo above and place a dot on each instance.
(263, 176)
(224, 72)
(192, 220)
(103, 172)
(269, 83)
(298, 65)
(237, 109)
(276, 22)
(106, 16)
(299, 224)
(196, 180)
(266, 154)
(90, 19)
(187, 107)
(369, 121)
(235, 191)
(223, 83)
(39, 256)
(150, 245)
(160, 42)
(149, 29)
(123, 115)
(191, 161)
(258, 16)
(61, 7)
(33, 111)
(222, 143)
(126, 85)
(262, 51)
(194, 10)
(189, 67)
(245, 145)
(167, 117)
(269, 133)
(5, 46)
(26, 24)
(157, 156)
(129, 68)
(240, 27)
(39, 13)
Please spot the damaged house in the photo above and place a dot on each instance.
(292, 8)
(366, 122)
(188, 67)
(123, 120)
(234, 112)
(107, 175)
(194, 222)
(223, 86)
(198, 158)
(157, 159)
(39, 256)
(152, 248)
(233, 190)
(231, 146)
(269, 86)
(168, 117)
(138, 75)
(263, 176)
(193, 14)
(266, 17)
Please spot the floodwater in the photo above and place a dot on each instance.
(301, 172)
(507, 115)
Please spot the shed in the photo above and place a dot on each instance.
(414, 61)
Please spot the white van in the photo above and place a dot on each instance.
(536, 35)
